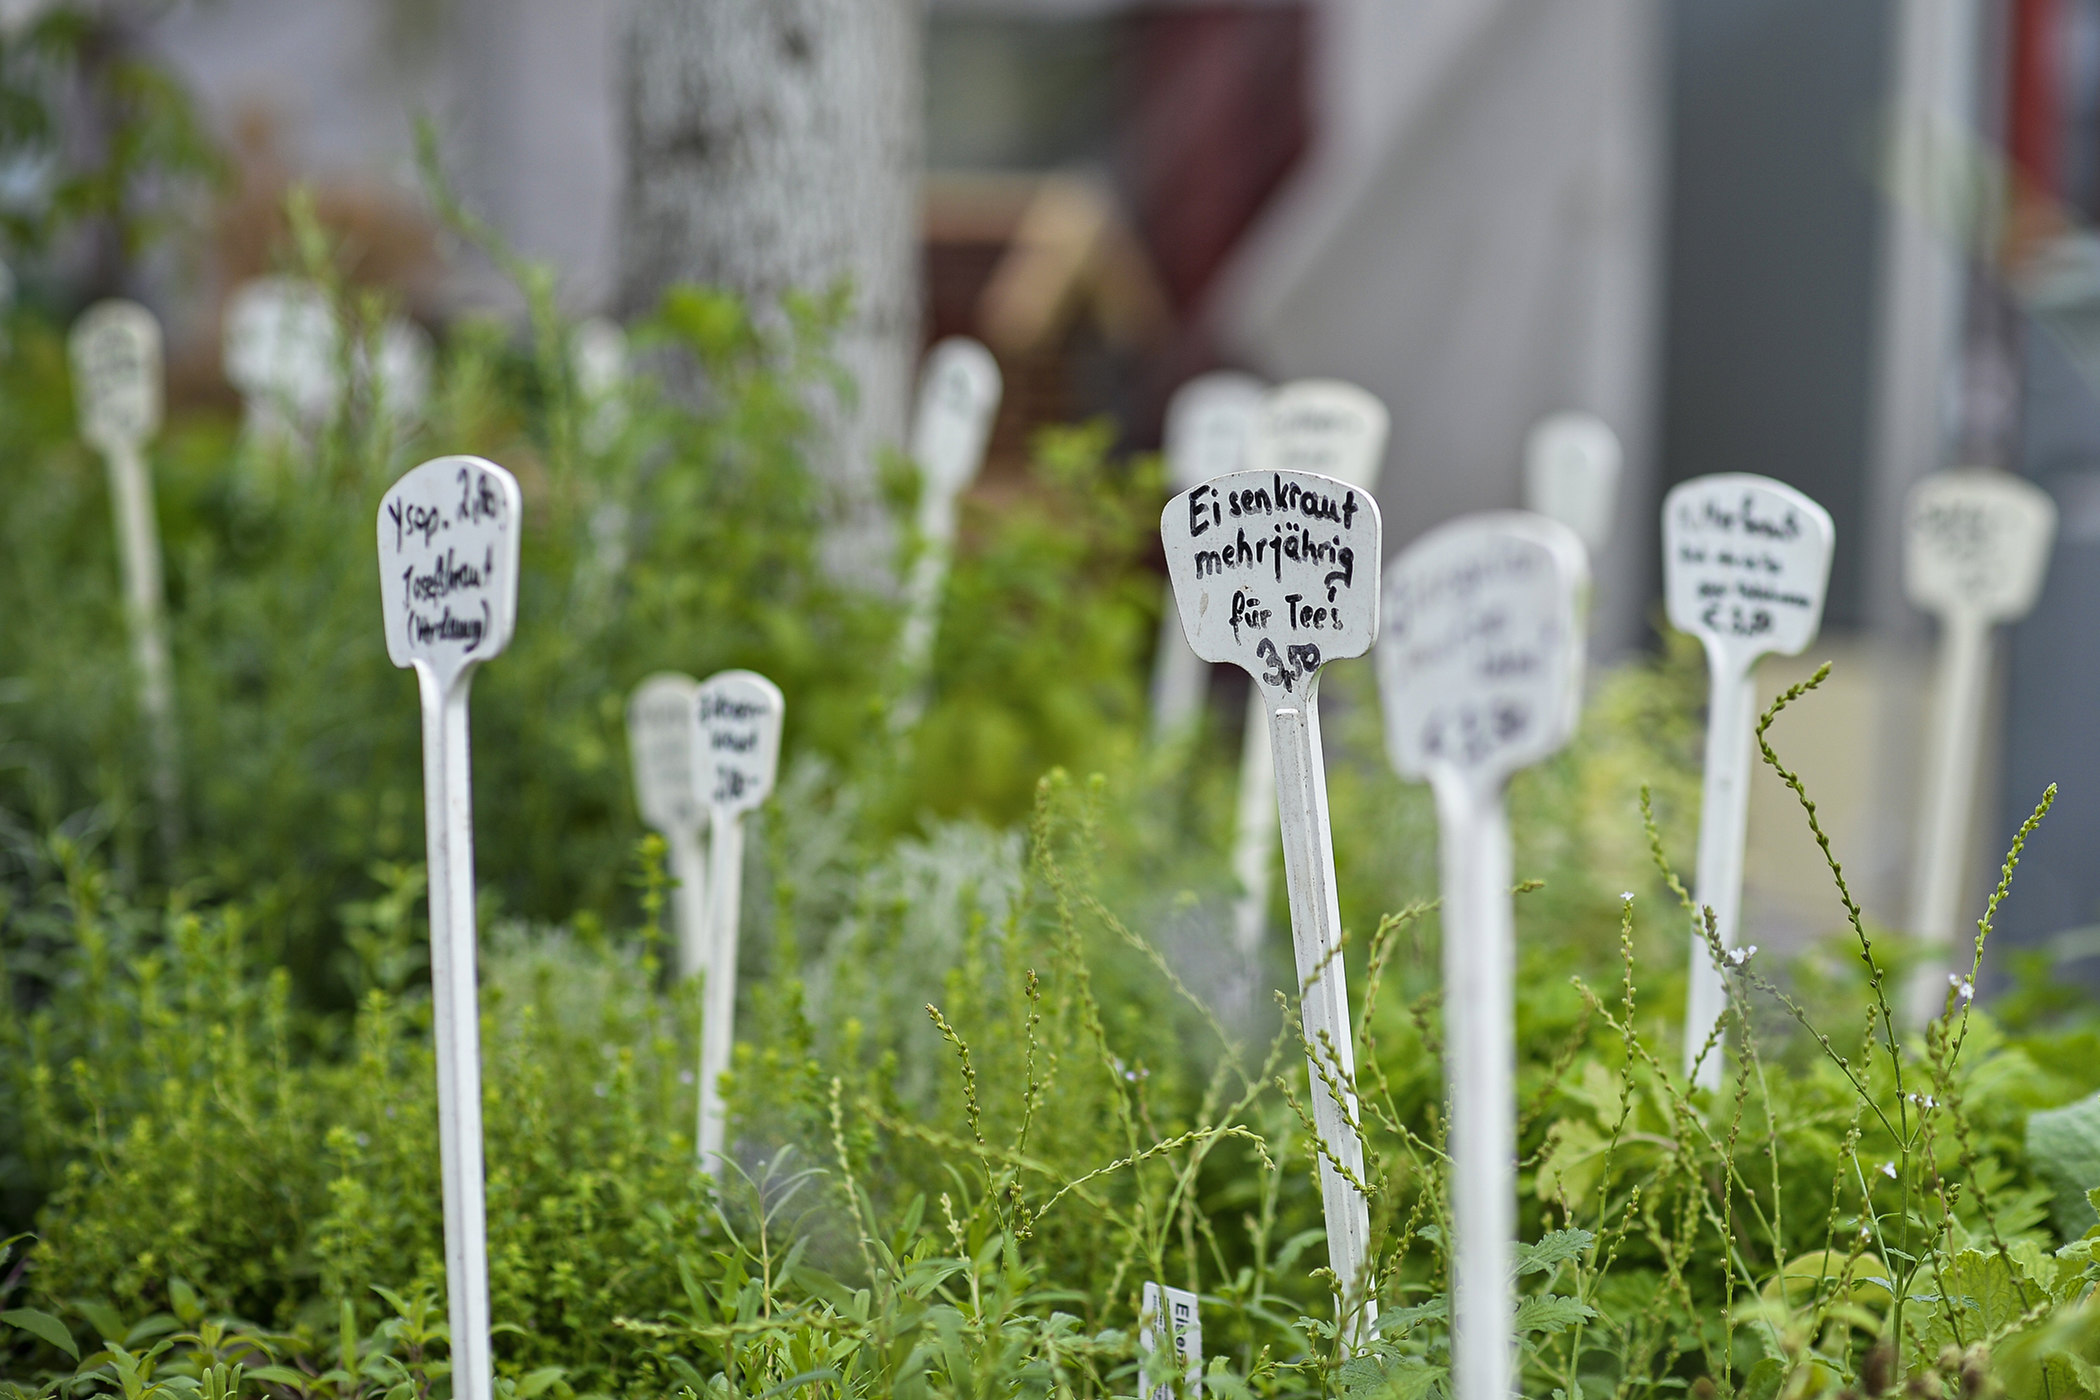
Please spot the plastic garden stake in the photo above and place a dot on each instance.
(660, 742)
(448, 574)
(1169, 1321)
(1480, 672)
(1572, 463)
(283, 354)
(958, 396)
(115, 351)
(736, 746)
(1975, 549)
(1276, 572)
(1746, 562)
(1209, 421)
(1327, 428)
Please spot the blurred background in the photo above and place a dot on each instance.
(1843, 245)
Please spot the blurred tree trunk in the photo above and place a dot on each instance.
(775, 146)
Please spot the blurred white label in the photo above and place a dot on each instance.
(1480, 664)
(1169, 1320)
(958, 395)
(736, 717)
(660, 737)
(1571, 474)
(1210, 425)
(1323, 427)
(1977, 542)
(115, 351)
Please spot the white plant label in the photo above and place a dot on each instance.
(1976, 547)
(736, 719)
(959, 394)
(448, 575)
(401, 368)
(116, 360)
(1322, 426)
(448, 562)
(1170, 1320)
(660, 741)
(1210, 421)
(1572, 463)
(1746, 563)
(1336, 430)
(115, 350)
(1480, 674)
(598, 361)
(282, 353)
(1277, 573)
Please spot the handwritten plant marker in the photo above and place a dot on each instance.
(1480, 672)
(1746, 563)
(115, 351)
(1277, 573)
(1169, 1320)
(660, 741)
(1976, 546)
(1332, 429)
(1209, 422)
(959, 393)
(448, 575)
(736, 742)
(282, 353)
(1572, 463)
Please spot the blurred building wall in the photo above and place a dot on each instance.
(1476, 242)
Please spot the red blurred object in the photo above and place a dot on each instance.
(2034, 135)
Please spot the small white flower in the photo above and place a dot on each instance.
(1968, 991)
(1627, 896)
(1739, 956)
(1888, 1169)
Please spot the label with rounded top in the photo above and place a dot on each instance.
(1571, 474)
(1480, 664)
(116, 358)
(448, 564)
(736, 738)
(1276, 573)
(282, 345)
(958, 395)
(1977, 542)
(660, 743)
(1746, 564)
(1323, 427)
(1210, 424)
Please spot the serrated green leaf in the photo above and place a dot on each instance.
(45, 1327)
(1548, 1313)
(1765, 1379)
(1552, 1251)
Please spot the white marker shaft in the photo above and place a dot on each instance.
(1724, 825)
(1950, 796)
(922, 604)
(145, 611)
(1479, 1058)
(718, 1028)
(1254, 831)
(1178, 676)
(689, 901)
(1316, 927)
(448, 821)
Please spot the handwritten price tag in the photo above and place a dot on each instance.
(660, 734)
(1323, 427)
(737, 718)
(448, 564)
(1977, 543)
(1480, 667)
(1746, 563)
(115, 349)
(1274, 572)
